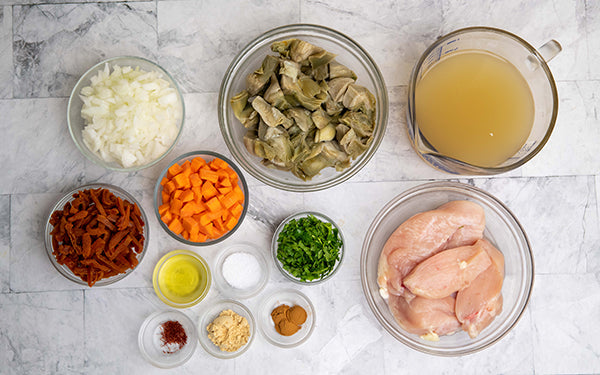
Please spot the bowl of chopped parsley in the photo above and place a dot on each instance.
(308, 247)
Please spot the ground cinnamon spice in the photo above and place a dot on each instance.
(288, 320)
(173, 336)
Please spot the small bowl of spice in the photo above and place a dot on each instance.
(287, 318)
(241, 271)
(226, 329)
(308, 247)
(167, 339)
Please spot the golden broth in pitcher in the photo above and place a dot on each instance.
(475, 107)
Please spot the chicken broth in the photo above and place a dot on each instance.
(475, 107)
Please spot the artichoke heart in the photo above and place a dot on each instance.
(304, 112)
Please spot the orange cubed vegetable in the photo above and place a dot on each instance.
(189, 209)
(175, 226)
(198, 237)
(213, 204)
(190, 224)
(208, 174)
(174, 170)
(232, 174)
(182, 181)
(176, 205)
(169, 187)
(165, 197)
(225, 182)
(195, 180)
(185, 234)
(208, 190)
(224, 190)
(239, 194)
(187, 195)
(177, 194)
(167, 217)
(163, 208)
(197, 163)
(217, 164)
(207, 229)
(228, 200)
(236, 210)
(164, 181)
(230, 223)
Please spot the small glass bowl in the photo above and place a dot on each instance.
(211, 313)
(349, 53)
(207, 156)
(153, 350)
(288, 297)
(274, 247)
(76, 123)
(186, 256)
(231, 291)
(64, 270)
(502, 229)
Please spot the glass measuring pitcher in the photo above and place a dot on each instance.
(501, 47)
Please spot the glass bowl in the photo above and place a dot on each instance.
(502, 229)
(231, 291)
(274, 247)
(184, 268)
(64, 270)
(288, 297)
(210, 314)
(249, 59)
(151, 346)
(207, 156)
(76, 123)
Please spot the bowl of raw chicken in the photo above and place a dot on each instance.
(446, 268)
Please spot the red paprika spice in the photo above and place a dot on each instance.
(173, 336)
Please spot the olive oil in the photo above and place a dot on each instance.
(475, 107)
(182, 278)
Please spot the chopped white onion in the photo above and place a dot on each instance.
(131, 115)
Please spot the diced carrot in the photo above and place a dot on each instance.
(198, 237)
(195, 180)
(187, 165)
(176, 226)
(177, 194)
(187, 195)
(232, 174)
(225, 182)
(164, 181)
(174, 170)
(228, 200)
(182, 181)
(167, 217)
(208, 174)
(176, 205)
(236, 210)
(189, 209)
(213, 204)
(224, 190)
(217, 164)
(190, 224)
(185, 234)
(197, 163)
(208, 190)
(165, 197)
(207, 229)
(225, 215)
(219, 225)
(231, 223)
(163, 208)
(169, 187)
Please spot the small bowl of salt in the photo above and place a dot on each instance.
(241, 271)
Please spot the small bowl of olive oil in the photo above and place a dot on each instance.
(181, 278)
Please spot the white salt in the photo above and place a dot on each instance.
(241, 270)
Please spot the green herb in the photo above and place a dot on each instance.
(308, 248)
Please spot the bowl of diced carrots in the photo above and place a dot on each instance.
(201, 198)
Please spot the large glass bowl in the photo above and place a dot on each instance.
(64, 270)
(250, 58)
(502, 229)
(76, 123)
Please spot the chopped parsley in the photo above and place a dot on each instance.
(309, 248)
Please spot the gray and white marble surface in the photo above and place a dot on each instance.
(49, 325)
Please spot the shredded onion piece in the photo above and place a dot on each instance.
(131, 116)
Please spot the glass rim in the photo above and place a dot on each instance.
(411, 113)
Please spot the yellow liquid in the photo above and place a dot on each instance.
(475, 107)
(182, 278)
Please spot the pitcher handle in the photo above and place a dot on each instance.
(550, 49)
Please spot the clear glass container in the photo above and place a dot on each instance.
(250, 58)
(64, 270)
(76, 123)
(502, 229)
(231, 291)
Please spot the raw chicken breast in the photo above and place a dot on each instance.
(428, 318)
(479, 303)
(456, 223)
(448, 271)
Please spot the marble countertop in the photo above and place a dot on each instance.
(51, 326)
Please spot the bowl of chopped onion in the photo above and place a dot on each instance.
(125, 113)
